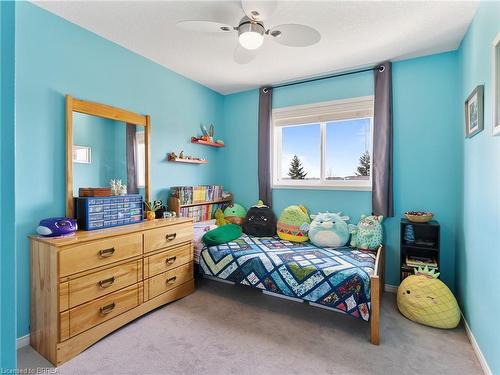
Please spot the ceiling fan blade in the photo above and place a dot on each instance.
(258, 10)
(205, 26)
(243, 55)
(295, 35)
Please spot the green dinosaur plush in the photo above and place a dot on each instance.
(235, 213)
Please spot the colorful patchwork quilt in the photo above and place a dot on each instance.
(337, 278)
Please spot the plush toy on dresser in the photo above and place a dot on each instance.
(330, 230)
(368, 233)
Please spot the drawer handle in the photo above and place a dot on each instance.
(107, 283)
(171, 280)
(170, 237)
(171, 260)
(106, 253)
(107, 309)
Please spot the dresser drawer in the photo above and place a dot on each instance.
(93, 313)
(103, 282)
(99, 253)
(168, 280)
(168, 260)
(160, 238)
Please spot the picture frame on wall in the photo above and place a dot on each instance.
(474, 112)
(496, 85)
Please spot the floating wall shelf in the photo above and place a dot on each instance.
(189, 161)
(206, 143)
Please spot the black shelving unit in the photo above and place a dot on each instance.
(427, 245)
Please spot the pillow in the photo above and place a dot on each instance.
(220, 235)
(293, 224)
(260, 221)
(330, 230)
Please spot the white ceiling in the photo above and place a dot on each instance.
(354, 33)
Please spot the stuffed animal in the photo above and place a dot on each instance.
(235, 214)
(219, 218)
(330, 230)
(425, 299)
(293, 224)
(260, 221)
(368, 233)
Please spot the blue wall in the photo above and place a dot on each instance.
(54, 58)
(7, 191)
(478, 255)
(426, 174)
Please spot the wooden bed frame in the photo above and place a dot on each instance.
(376, 292)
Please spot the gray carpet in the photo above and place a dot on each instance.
(225, 329)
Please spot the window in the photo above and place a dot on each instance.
(140, 159)
(323, 145)
(82, 154)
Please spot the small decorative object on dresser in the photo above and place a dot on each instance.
(151, 208)
(57, 227)
(474, 115)
(86, 286)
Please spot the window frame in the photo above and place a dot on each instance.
(318, 113)
(140, 165)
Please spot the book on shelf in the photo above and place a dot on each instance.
(197, 194)
(416, 261)
(199, 213)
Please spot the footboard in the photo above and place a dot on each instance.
(376, 291)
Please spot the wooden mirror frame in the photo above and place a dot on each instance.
(112, 113)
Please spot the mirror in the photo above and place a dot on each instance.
(103, 144)
(105, 150)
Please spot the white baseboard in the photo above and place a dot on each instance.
(477, 349)
(391, 288)
(23, 341)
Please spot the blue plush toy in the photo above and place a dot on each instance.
(330, 230)
(368, 233)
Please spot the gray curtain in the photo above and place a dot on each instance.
(131, 173)
(382, 194)
(265, 107)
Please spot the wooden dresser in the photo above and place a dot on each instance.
(85, 286)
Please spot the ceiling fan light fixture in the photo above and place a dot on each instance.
(251, 35)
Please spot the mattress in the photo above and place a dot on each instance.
(200, 228)
(336, 278)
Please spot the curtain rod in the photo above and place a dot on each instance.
(381, 68)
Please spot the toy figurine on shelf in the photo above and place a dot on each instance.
(117, 187)
(181, 155)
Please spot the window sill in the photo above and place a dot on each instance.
(322, 187)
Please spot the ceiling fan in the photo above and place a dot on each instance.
(252, 31)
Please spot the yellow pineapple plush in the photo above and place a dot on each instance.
(425, 299)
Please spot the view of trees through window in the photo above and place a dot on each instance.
(347, 146)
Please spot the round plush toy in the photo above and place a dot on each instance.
(368, 233)
(293, 224)
(425, 299)
(330, 230)
(260, 221)
(235, 214)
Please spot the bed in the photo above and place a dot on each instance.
(343, 279)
